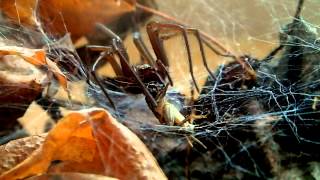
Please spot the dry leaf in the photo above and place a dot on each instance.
(90, 141)
(68, 176)
(36, 57)
(18, 150)
(21, 82)
(59, 16)
(24, 73)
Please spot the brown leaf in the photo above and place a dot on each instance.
(68, 176)
(36, 57)
(123, 150)
(90, 141)
(18, 150)
(20, 83)
(77, 16)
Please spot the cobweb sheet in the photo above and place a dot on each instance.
(253, 127)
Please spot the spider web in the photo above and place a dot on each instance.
(252, 124)
(266, 130)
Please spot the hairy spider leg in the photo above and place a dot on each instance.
(157, 43)
(107, 52)
(211, 40)
(146, 55)
(193, 116)
(140, 45)
(164, 69)
(298, 10)
(127, 69)
(200, 40)
(104, 50)
(154, 28)
(118, 47)
(273, 53)
(206, 38)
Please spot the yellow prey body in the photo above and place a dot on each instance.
(170, 115)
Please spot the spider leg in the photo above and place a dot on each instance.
(192, 116)
(154, 29)
(68, 59)
(203, 54)
(298, 10)
(296, 18)
(138, 41)
(140, 45)
(163, 69)
(200, 42)
(118, 46)
(104, 50)
(126, 65)
(143, 50)
(208, 39)
(272, 53)
(127, 69)
(156, 42)
(146, 55)
(107, 51)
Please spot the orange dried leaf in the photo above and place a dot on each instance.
(37, 57)
(77, 16)
(21, 12)
(61, 78)
(91, 141)
(18, 150)
(33, 56)
(68, 176)
(124, 155)
(21, 83)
